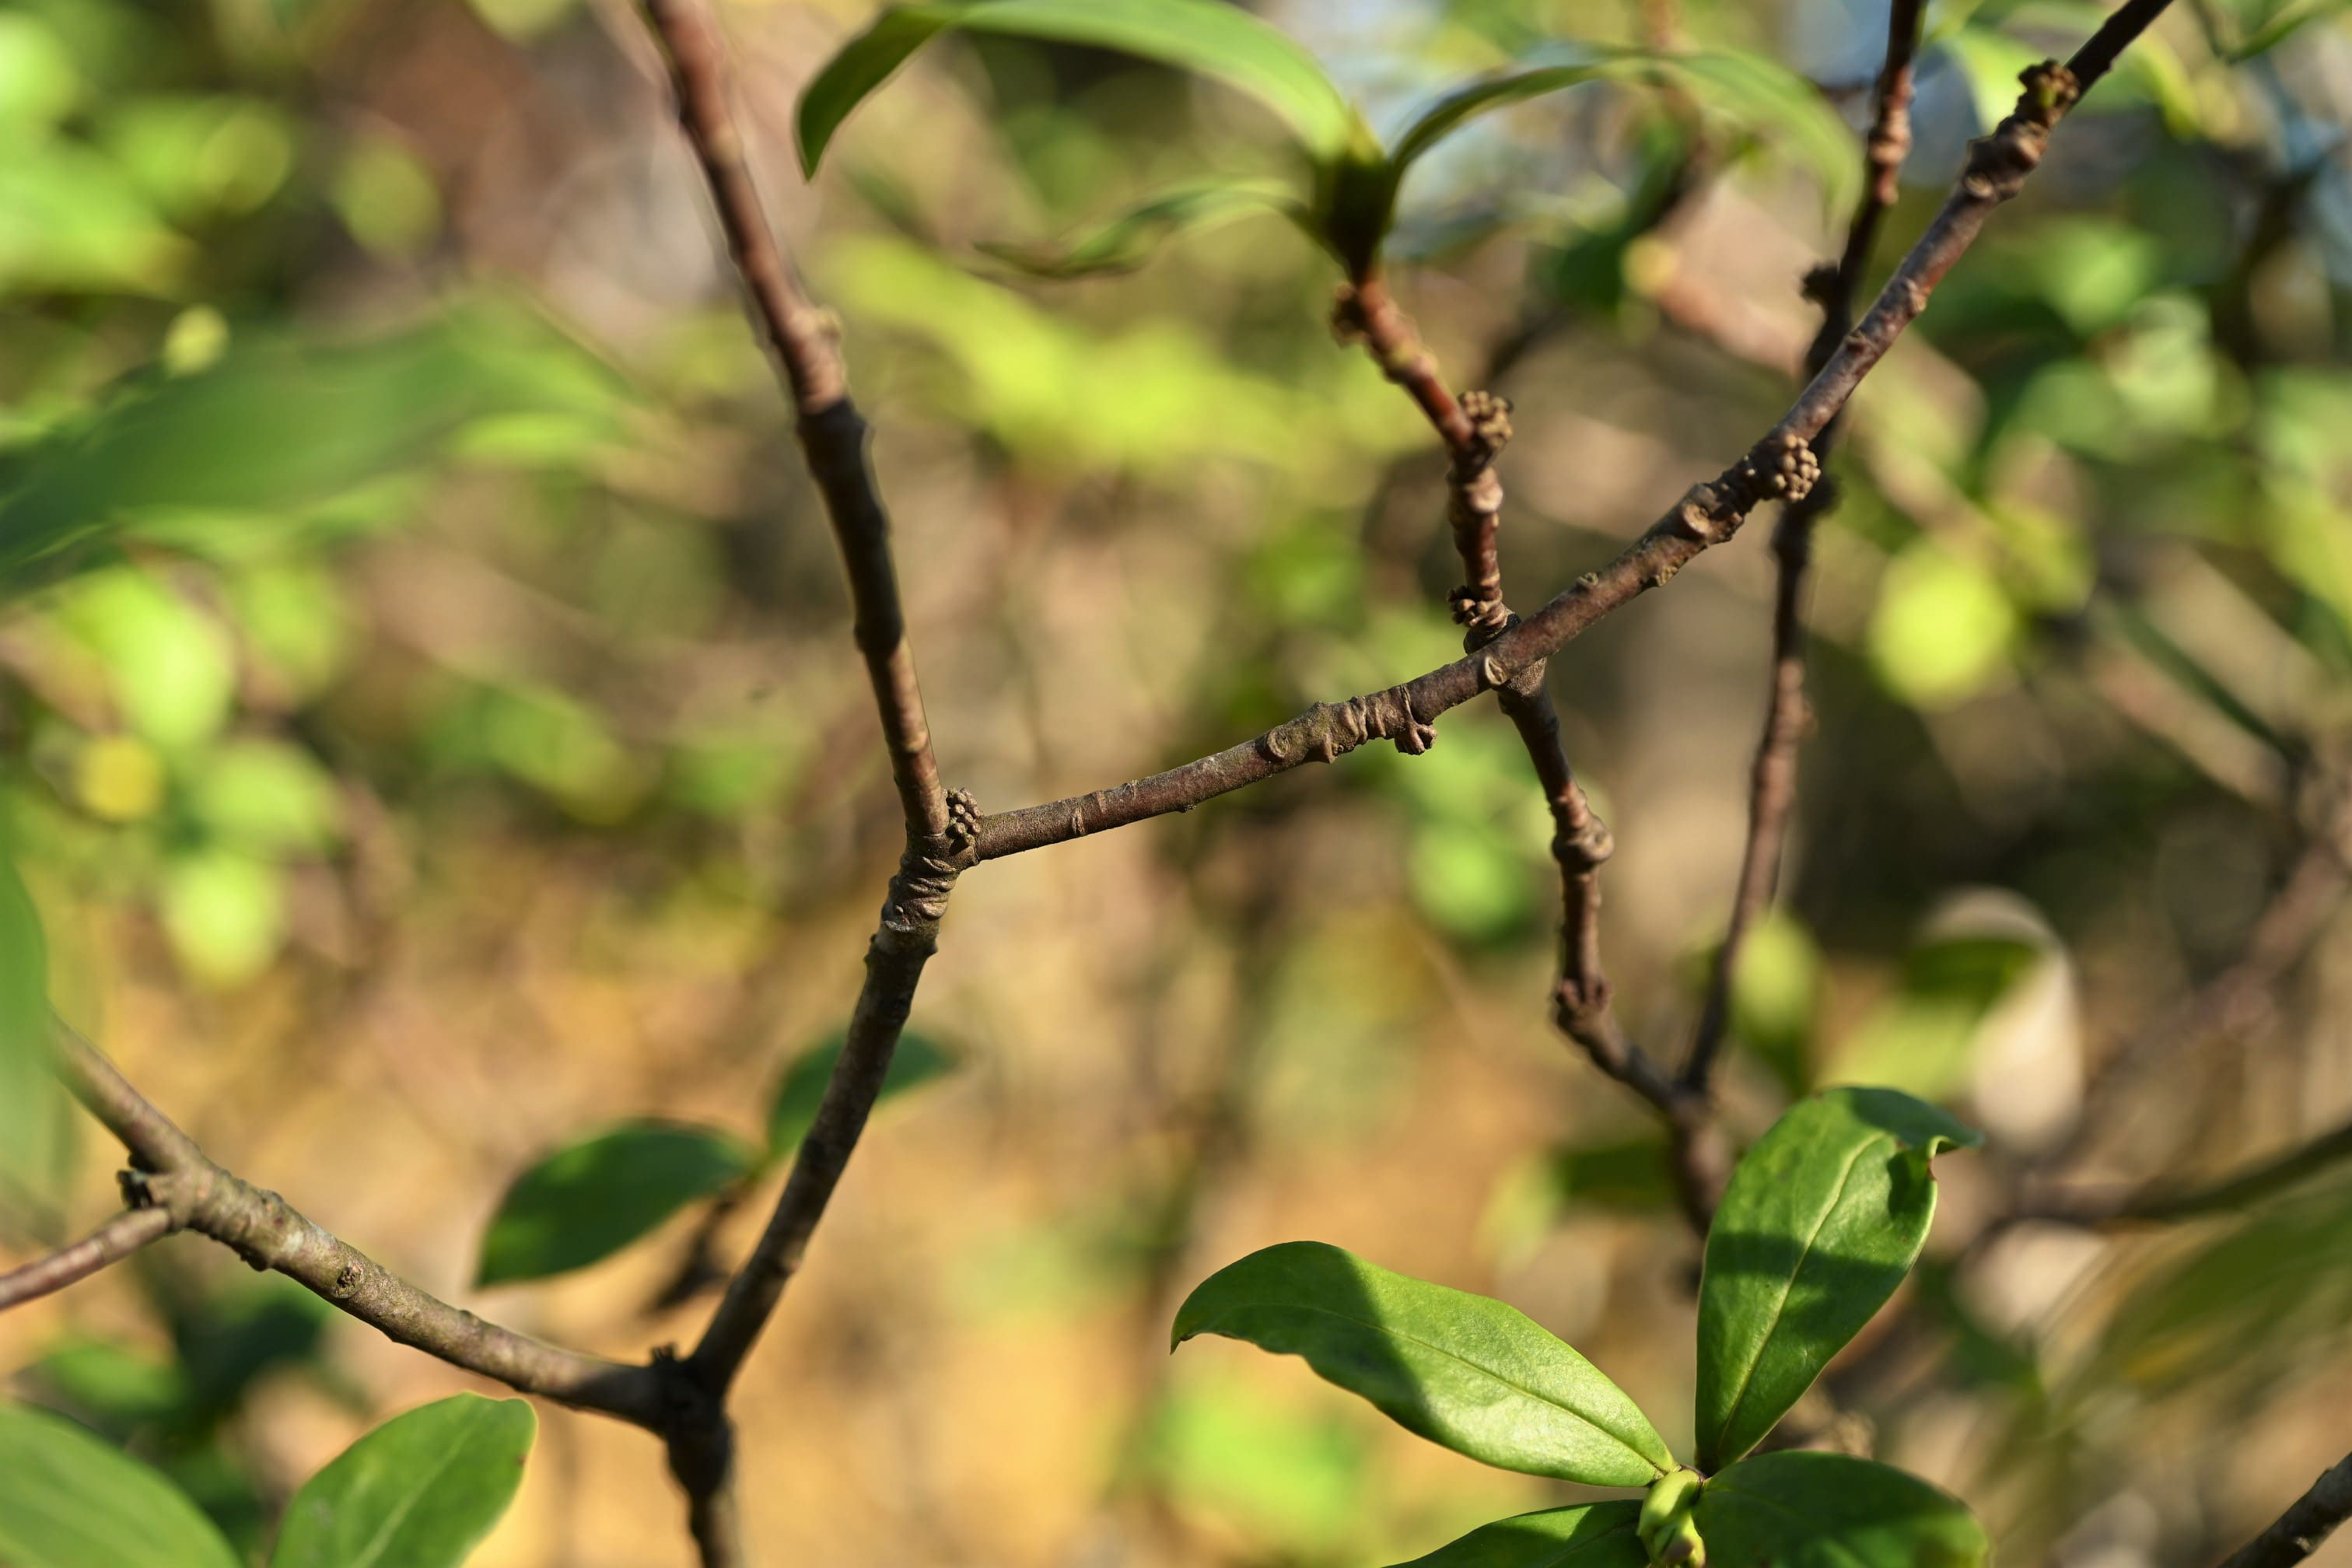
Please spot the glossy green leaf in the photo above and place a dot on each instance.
(1828, 1510)
(918, 1060)
(419, 1491)
(1821, 1222)
(69, 1501)
(1466, 1371)
(1126, 242)
(591, 1198)
(1592, 1535)
(1209, 36)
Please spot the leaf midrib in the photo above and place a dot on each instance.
(399, 1516)
(1781, 1307)
(1516, 1387)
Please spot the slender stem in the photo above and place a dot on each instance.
(1475, 428)
(1707, 514)
(832, 435)
(112, 1242)
(802, 340)
(175, 1177)
(2296, 1533)
(1772, 778)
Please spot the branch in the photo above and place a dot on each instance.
(112, 1242)
(802, 340)
(939, 830)
(1475, 428)
(172, 1178)
(1772, 780)
(1707, 514)
(2297, 1533)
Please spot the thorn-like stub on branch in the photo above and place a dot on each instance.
(1574, 1005)
(1490, 422)
(2050, 91)
(1586, 849)
(964, 822)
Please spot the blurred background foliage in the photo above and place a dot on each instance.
(434, 752)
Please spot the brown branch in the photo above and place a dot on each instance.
(112, 1242)
(1772, 778)
(802, 340)
(938, 831)
(1707, 514)
(2296, 1533)
(173, 1177)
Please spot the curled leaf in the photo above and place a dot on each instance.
(1207, 36)
(1127, 241)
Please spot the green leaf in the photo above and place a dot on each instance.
(1628, 1176)
(591, 1198)
(1209, 36)
(419, 1491)
(1942, 629)
(1822, 1219)
(1461, 1369)
(69, 1500)
(918, 1060)
(1289, 1478)
(1828, 1510)
(1762, 98)
(267, 797)
(35, 1132)
(1592, 1535)
(225, 911)
(1126, 242)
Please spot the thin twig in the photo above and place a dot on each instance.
(2296, 1533)
(173, 1176)
(832, 435)
(1707, 514)
(112, 1242)
(1772, 779)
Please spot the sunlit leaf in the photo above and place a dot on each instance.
(225, 911)
(590, 1199)
(1292, 1480)
(917, 1061)
(1942, 629)
(267, 797)
(1821, 1222)
(1126, 242)
(69, 1500)
(1208, 36)
(1461, 1369)
(1775, 994)
(1828, 1510)
(419, 1491)
(1589, 1535)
